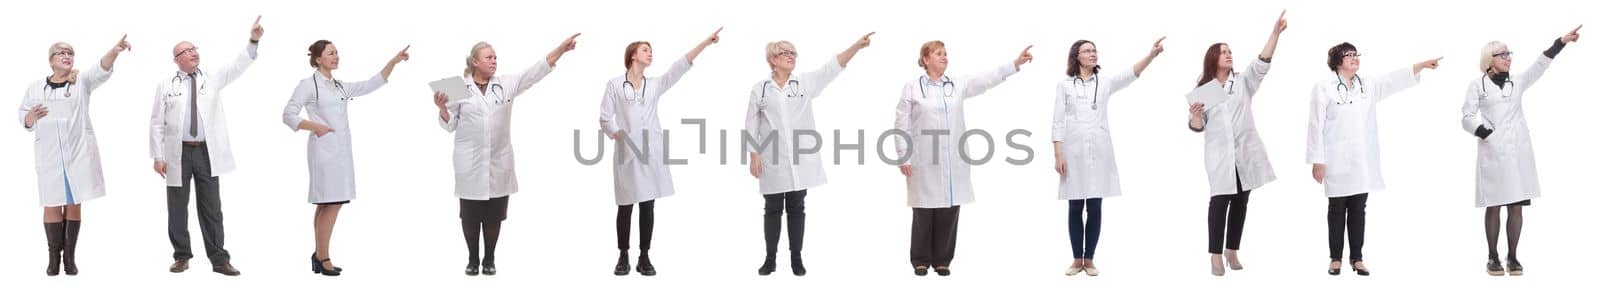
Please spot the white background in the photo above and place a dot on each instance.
(404, 226)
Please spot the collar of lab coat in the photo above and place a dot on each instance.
(197, 73)
(1092, 78)
(318, 77)
(473, 86)
(930, 82)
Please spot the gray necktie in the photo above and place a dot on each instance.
(194, 106)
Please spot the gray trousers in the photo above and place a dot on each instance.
(208, 204)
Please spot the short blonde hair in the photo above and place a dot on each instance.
(1487, 60)
(775, 48)
(927, 49)
(58, 46)
(473, 55)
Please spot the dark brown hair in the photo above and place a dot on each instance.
(1336, 55)
(1213, 54)
(627, 56)
(316, 50)
(1072, 60)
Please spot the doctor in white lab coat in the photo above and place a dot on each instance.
(938, 179)
(66, 153)
(780, 106)
(485, 167)
(329, 151)
(1081, 133)
(628, 114)
(1236, 160)
(1506, 172)
(190, 145)
(1342, 144)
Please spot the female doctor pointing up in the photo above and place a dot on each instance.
(484, 166)
(628, 113)
(1342, 144)
(1236, 160)
(1506, 174)
(780, 107)
(329, 150)
(938, 178)
(66, 153)
(1082, 136)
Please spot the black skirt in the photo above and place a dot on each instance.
(1528, 202)
(491, 210)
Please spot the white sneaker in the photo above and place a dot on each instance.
(1091, 271)
(1073, 270)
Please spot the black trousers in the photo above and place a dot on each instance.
(794, 203)
(933, 235)
(1351, 212)
(647, 225)
(1227, 212)
(208, 205)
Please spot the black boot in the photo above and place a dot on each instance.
(795, 264)
(622, 264)
(55, 236)
(69, 264)
(769, 266)
(645, 268)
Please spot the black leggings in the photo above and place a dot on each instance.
(776, 204)
(1227, 211)
(482, 216)
(647, 224)
(1351, 212)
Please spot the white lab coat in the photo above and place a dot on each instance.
(65, 152)
(639, 179)
(169, 117)
(946, 180)
(329, 157)
(1234, 152)
(1082, 128)
(1506, 170)
(782, 111)
(1343, 131)
(484, 164)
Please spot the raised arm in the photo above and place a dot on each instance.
(1272, 42)
(232, 71)
(978, 84)
(849, 53)
(399, 57)
(695, 52)
(1532, 74)
(111, 56)
(1155, 50)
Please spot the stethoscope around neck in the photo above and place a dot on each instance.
(67, 93)
(177, 80)
(1344, 89)
(317, 86)
(1095, 104)
(795, 83)
(627, 89)
(1484, 87)
(498, 90)
(948, 86)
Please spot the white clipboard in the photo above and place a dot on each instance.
(59, 110)
(452, 88)
(1209, 95)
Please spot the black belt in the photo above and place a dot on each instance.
(197, 144)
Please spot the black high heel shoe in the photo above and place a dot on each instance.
(316, 267)
(488, 269)
(472, 269)
(1333, 271)
(1360, 270)
(622, 265)
(644, 267)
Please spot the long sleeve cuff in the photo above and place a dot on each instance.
(1554, 49)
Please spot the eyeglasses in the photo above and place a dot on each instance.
(1506, 55)
(67, 53)
(186, 51)
(1354, 54)
(789, 53)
